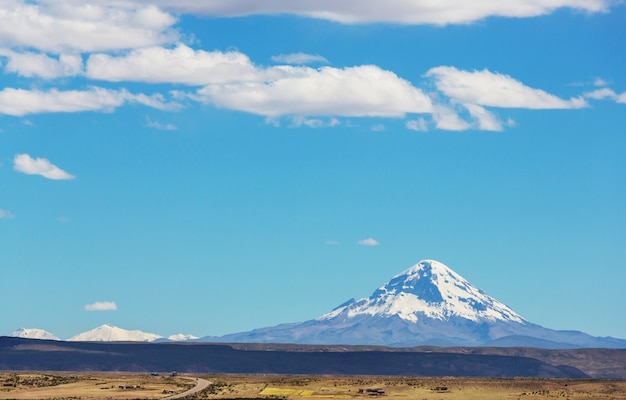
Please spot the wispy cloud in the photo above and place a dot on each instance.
(6, 214)
(20, 102)
(486, 88)
(368, 242)
(333, 242)
(39, 166)
(606, 93)
(439, 12)
(162, 127)
(470, 92)
(299, 58)
(314, 122)
(447, 119)
(418, 125)
(101, 306)
(485, 119)
(600, 82)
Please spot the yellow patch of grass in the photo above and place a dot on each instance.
(271, 391)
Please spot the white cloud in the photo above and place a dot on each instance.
(600, 82)
(395, 11)
(368, 242)
(233, 81)
(510, 122)
(486, 88)
(604, 93)
(177, 65)
(6, 214)
(601, 94)
(314, 122)
(30, 64)
(20, 102)
(78, 26)
(418, 125)
(39, 166)
(156, 100)
(333, 242)
(486, 120)
(448, 120)
(273, 121)
(299, 58)
(357, 92)
(162, 127)
(101, 306)
(378, 128)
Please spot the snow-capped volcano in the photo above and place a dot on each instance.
(427, 304)
(428, 289)
(110, 333)
(34, 333)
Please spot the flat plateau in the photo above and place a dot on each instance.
(116, 385)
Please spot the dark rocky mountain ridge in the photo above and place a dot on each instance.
(43, 355)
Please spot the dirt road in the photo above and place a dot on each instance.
(201, 384)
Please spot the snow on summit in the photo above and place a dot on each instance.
(181, 337)
(110, 333)
(34, 333)
(428, 289)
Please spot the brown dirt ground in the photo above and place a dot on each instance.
(274, 387)
(89, 386)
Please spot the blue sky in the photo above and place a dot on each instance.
(214, 167)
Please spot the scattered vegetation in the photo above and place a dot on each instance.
(37, 380)
(87, 386)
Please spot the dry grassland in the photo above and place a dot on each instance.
(400, 388)
(273, 387)
(89, 386)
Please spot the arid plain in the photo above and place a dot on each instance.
(113, 385)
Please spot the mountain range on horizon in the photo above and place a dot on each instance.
(102, 333)
(427, 304)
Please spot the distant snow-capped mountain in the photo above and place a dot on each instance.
(103, 333)
(181, 337)
(427, 304)
(110, 333)
(34, 333)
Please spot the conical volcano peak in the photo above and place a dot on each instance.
(430, 281)
(428, 269)
(429, 289)
(420, 280)
(426, 304)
